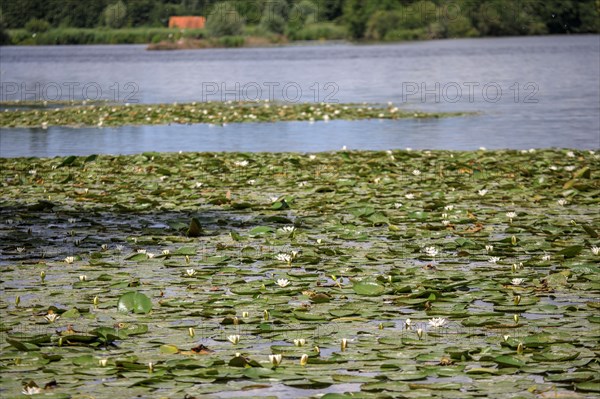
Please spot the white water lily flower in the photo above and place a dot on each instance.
(408, 324)
(275, 359)
(284, 258)
(234, 339)
(571, 154)
(431, 251)
(482, 192)
(288, 229)
(102, 362)
(83, 277)
(294, 254)
(273, 199)
(493, 259)
(150, 255)
(410, 196)
(489, 248)
(28, 390)
(344, 344)
(596, 250)
(445, 222)
(570, 168)
(517, 281)
(69, 259)
(511, 215)
(312, 157)
(51, 317)
(448, 207)
(141, 251)
(282, 282)
(437, 322)
(243, 163)
(562, 202)
(546, 257)
(166, 252)
(190, 272)
(20, 249)
(416, 172)
(299, 342)
(198, 184)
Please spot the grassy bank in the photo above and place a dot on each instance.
(403, 273)
(40, 114)
(102, 36)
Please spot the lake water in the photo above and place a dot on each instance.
(530, 92)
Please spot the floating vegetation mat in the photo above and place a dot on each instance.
(410, 274)
(44, 114)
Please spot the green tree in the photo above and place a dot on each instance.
(224, 20)
(115, 14)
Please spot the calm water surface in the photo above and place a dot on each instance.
(531, 92)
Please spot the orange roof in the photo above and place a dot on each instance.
(187, 22)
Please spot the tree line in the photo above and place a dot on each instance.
(379, 20)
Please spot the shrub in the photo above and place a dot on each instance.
(224, 20)
(114, 15)
(273, 23)
(35, 25)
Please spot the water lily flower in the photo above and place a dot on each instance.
(548, 257)
(102, 362)
(190, 272)
(69, 259)
(449, 207)
(43, 275)
(516, 318)
(570, 168)
(31, 390)
(416, 172)
(141, 251)
(82, 277)
(299, 342)
(317, 349)
(191, 332)
(511, 216)
(51, 317)
(275, 359)
(150, 255)
(489, 248)
(243, 163)
(420, 333)
(505, 337)
(245, 314)
(482, 192)
(344, 344)
(150, 367)
(234, 339)
(410, 196)
(517, 281)
(104, 247)
(571, 154)
(20, 249)
(408, 323)
(166, 252)
(562, 202)
(312, 157)
(288, 229)
(397, 205)
(303, 360)
(273, 199)
(493, 259)
(445, 222)
(437, 322)
(282, 282)
(431, 251)
(595, 250)
(284, 257)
